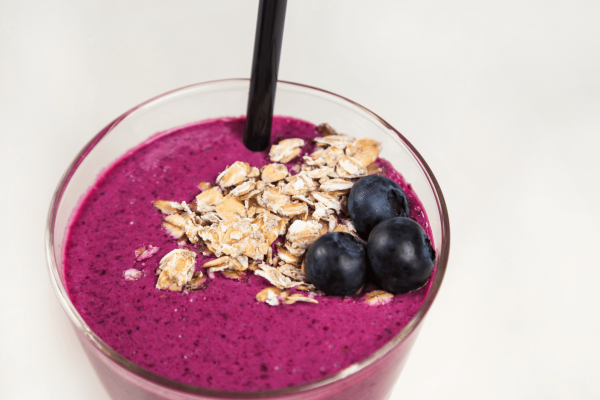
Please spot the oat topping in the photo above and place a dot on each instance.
(326, 130)
(292, 298)
(178, 220)
(364, 150)
(292, 272)
(286, 150)
(339, 141)
(378, 298)
(262, 221)
(254, 173)
(167, 207)
(231, 209)
(197, 282)
(236, 276)
(271, 295)
(336, 185)
(174, 231)
(276, 277)
(303, 233)
(243, 188)
(350, 167)
(273, 172)
(144, 253)
(132, 274)
(176, 270)
(205, 185)
(219, 262)
(330, 156)
(207, 200)
(286, 256)
(233, 175)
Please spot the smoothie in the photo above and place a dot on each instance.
(219, 337)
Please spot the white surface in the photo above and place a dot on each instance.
(501, 98)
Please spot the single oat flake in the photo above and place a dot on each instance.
(378, 298)
(293, 298)
(132, 274)
(271, 296)
(234, 175)
(273, 172)
(364, 150)
(339, 141)
(144, 253)
(176, 270)
(286, 150)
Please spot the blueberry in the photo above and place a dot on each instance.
(336, 263)
(400, 255)
(373, 199)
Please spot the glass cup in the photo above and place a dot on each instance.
(370, 379)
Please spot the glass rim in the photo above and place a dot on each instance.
(81, 325)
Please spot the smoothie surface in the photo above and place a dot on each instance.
(219, 337)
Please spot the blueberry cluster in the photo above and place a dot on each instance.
(398, 254)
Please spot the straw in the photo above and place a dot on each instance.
(265, 66)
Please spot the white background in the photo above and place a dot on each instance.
(502, 98)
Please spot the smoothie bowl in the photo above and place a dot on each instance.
(220, 335)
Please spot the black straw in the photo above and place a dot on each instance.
(265, 65)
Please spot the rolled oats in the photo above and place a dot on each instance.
(236, 275)
(240, 218)
(328, 201)
(176, 269)
(286, 256)
(320, 173)
(298, 252)
(273, 200)
(273, 172)
(374, 169)
(205, 185)
(286, 150)
(293, 298)
(336, 185)
(339, 141)
(302, 234)
(144, 253)
(349, 167)
(254, 173)
(217, 262)
(326, 130)
(292, 272)
(231, 209)
(293, 209)
(271, 295)
(166, 207)
(207, 200)
(132, 274)
(365, 150)
(331, 156)
(304, 199)
(341, 228)
(243, 188)
(178, 220)
(174, 231)
(197, 282)
(275, 276)
(378, 298)
(234, 175)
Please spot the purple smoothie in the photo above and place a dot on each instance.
(220, 337)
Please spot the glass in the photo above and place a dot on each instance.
(369, 379)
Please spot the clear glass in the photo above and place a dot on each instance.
(369, 379)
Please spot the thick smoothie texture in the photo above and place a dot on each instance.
(219, 337)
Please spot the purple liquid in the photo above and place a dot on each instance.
(219, 337)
